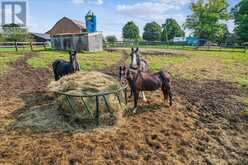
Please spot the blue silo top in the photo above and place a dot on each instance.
(90, 20)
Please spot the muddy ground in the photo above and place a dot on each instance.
(204, 126)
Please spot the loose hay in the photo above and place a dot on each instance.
(89, 83)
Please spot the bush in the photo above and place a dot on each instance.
(111, 39)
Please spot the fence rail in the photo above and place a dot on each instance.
(18, 45)
(180, 46)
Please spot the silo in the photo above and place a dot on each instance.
(90, 20)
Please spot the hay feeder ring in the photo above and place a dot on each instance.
(117, 93)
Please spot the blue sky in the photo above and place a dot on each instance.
(111, 14)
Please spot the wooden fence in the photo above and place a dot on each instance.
(19, 45)
(180, 46)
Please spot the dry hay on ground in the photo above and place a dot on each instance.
(88, 83)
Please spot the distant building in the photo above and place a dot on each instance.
(40, 37)
(70, 34)
(80, 42)
(192, 41)
(179, 39)
(67, 25)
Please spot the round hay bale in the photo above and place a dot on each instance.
(90, 84)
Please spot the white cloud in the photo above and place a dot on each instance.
(98, 2)
(145, 8)
(177, 2)
(157, 10)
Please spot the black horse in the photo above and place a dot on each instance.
(62, 67)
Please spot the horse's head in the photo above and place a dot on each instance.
(73, 60)
(122, 75)
(135, 60)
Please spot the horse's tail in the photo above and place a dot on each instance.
(56, 74)
(166, 86)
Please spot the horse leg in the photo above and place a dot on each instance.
(167, 93)
(170, 95)
(164, 93)
(132, 86)
(136, 98)
(144, 97)
(56, 77)
(131, 93)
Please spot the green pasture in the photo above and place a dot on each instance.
(88, 61)
(26, 48)
(5, 58)
(193, 48)
(190, 65)
(205, 65)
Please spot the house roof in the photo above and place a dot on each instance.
(42, 35)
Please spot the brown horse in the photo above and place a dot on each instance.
(142, 81)
(136, 64)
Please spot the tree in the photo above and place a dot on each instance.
(1, 38)
(130, 31)
(240, 13)
(232, 40)
(222, 34)
(13, 33)
(171, 29)
(206, 17)
(152, 32)
(111, 39)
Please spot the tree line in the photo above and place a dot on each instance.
(207, 21)
(15, 33)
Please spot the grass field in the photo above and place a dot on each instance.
(204, 65)
(26, 48)
(88, 61)
(181, 47)
(207, 123)
(5, 58)
(196, 65)
(193, 48)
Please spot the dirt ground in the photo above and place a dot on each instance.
(204, 126)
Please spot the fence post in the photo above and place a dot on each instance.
(44, 44)
(31, 46)
(16, 46)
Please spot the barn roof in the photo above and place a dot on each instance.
(78, 23)
(41, 35)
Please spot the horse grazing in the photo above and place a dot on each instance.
(62, 67)
(142, 81)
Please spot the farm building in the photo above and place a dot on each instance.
(69, 34)
(40, 37)
(67, 25)
(81, 41)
